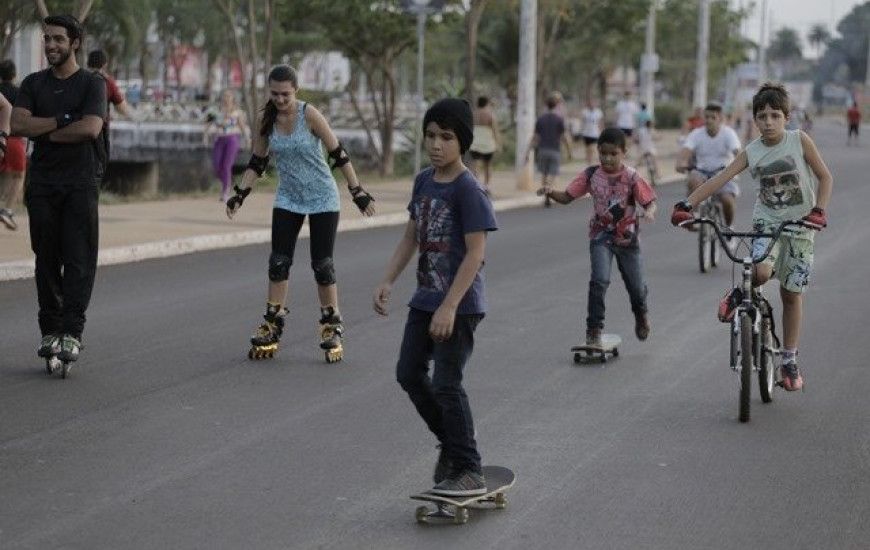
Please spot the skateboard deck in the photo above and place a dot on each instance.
(455, 508)
(609, 345)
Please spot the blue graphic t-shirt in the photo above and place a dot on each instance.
(445, 213)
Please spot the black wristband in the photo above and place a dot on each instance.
(818, 210)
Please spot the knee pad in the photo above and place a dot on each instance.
(324, 271)
(279, 267)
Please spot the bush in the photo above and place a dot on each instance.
(668, 116)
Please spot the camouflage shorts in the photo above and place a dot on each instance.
(791, 257)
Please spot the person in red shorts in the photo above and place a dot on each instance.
(14, 162)
(853, 117)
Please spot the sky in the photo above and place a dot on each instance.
(800, 15)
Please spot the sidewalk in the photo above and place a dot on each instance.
(144, 230)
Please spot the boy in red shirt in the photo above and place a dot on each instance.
(616, 191)
(853, 117)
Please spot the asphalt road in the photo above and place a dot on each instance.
(167, 436)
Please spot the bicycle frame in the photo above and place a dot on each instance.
(754, 344)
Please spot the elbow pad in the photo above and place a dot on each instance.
(258, 164)
(338, 157)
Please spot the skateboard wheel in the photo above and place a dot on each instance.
(578, 358)
(500, 500)
(421, 513)
(603, 358)
(461, 516)
(615, 352)
(64, 371)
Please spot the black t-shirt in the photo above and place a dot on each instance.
(9, 91)
(82, 93)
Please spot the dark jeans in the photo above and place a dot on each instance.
(64, 235)
(440, 399)
(601, 254)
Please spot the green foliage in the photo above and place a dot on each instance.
(669, 116)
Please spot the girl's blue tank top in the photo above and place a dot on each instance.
(305, 183)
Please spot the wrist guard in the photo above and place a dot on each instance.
(361, 198)
(683, 206)
(236, 200)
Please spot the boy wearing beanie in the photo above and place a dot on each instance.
(450, 216)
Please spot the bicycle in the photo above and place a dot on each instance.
(709, 251)
(754, 343)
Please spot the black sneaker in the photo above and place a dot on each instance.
(593, 336)
(641, 326)
(465, 483)
(442, 467)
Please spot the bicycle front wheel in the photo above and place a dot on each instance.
(766, 368)
(745, 365)
(705, 251)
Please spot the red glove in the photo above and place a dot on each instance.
(817, 217)
(682, 213)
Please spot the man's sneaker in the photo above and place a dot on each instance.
(465, 483)
(791, 377)
(593, 336)
(49, 346)
(6, 217)
(443, 466)
(641, 326)
(70, 347)
(728, 304)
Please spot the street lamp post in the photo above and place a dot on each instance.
(420, 8)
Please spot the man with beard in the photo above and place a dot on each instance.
(62, 109)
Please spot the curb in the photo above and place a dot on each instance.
(23, 269)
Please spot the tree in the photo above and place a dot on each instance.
(472, 22)
(819, 37)
(374, 37)
(785, 46)
(15, 15)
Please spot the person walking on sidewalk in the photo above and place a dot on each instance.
(295, 133)
(550, 133)
(486, 141)
(14, 162)
(617, 190)
(97, 62)
(450, 216)
(230, 125)
(853, 121)
(63, 110)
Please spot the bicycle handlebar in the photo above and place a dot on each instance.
(724, 233)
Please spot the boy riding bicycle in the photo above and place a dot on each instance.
(782, 163)
(714, 146)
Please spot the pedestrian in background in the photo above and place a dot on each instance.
(63, 110)
(14, 163)
(853, 119)
(230, 125)
(486, 141)
(550, 133)
(591, 124)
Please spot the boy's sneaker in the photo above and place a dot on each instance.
(443, 467)
(6, 217)
(791, 377)
(728, 304)
(593, 336)
(641, 326)
(49, 346)
(464, 483)
(70, 347)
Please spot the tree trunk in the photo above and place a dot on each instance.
(472, 22)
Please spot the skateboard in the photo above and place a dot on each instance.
(455, 508)
(609, 343)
